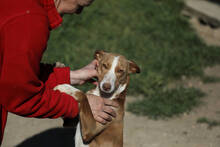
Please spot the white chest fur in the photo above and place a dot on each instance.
(78, 138)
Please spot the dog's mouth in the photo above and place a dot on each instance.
(105, 93)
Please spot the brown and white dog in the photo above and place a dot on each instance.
(113, 78)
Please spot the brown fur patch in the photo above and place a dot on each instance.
(79, 96)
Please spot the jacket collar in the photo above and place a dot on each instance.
(55, 19)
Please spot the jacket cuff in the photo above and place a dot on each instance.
(62, 75)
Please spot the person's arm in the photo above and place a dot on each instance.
(21, 90)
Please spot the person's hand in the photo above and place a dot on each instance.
(80, 4)
(59, 64)
(82, 75)
(102, 108)
(71, 6)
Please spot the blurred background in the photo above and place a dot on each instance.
(175, 101)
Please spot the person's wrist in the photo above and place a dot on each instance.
(73, 78)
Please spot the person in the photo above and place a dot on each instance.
(26, 85)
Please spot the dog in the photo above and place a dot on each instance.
(113, 79)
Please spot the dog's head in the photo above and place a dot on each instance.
(113, 70)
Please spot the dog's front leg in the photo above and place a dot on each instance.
(77, 95)
(70, 90)
(89, 127)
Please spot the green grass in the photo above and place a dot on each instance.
(167, 103)
(150, 32)
(210, 123)
(210, 79)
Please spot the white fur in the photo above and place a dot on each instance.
(120, 89)
(68, 89)
(78, 138)
(110, 77)
(95, 92)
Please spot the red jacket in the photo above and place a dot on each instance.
(26, 88)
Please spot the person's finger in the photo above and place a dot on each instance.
(110, 103)
(105, 116)
(100, 120)
(93, 64)
(81, 82)
(92, 73)
(109, 110)
(97, 62)
(86, 74)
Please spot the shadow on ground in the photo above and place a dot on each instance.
(56, 137)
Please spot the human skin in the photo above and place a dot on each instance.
(101, 108)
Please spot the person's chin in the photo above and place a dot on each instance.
(79, 10)
(76, 10)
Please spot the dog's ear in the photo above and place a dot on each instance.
(133, 68)
(99, 54)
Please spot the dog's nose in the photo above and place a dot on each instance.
(106, 86)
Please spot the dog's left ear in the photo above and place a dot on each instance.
(133, 68)
(99, 54)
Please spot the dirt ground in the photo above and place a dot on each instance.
(139, 131)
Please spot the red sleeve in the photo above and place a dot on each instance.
(21, 90)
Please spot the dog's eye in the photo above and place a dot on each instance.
(120, 71)
(105, 66)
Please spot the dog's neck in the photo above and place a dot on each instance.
(115, 128)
